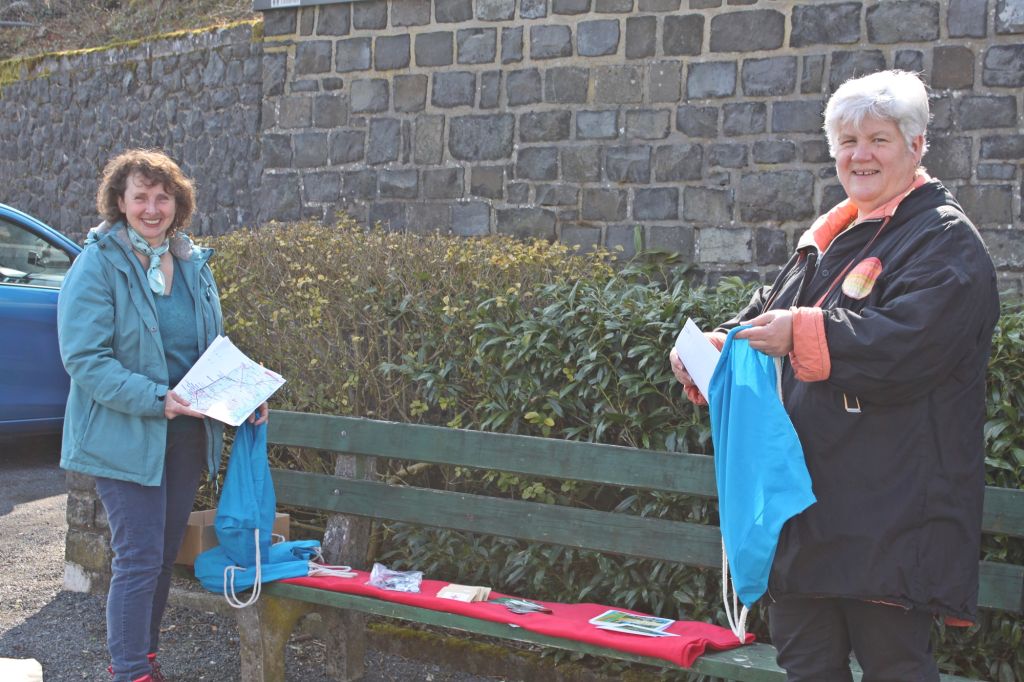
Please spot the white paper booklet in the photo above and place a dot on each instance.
(226, 385)
(699, 355)
(633, 624)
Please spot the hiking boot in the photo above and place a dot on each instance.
(148, 677)
(155, 674)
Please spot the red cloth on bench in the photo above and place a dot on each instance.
(568, 621)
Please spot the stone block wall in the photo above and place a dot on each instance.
(196, 96)
(696, 121)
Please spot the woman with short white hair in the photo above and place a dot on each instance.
(884, 318)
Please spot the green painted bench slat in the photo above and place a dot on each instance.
(1001, 587)
(652, 538)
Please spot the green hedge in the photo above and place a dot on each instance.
(533, 338)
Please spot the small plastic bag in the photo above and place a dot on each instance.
(399, 581)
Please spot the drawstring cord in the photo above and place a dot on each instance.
(229, 580)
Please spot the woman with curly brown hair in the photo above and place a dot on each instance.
(137, 309)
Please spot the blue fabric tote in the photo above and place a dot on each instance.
(759, 464)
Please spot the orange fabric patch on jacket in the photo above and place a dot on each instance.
(861, 280)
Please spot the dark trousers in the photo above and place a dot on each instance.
(815, 636)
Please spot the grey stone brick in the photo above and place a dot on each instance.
(330, 111)
(581, 238)
(511, 45)
(310, 149)
(434, 49)
(487, 181)
(773, 151)
(410, 12)
(359, 184)
(641, 37)
(321, 187)
(391, 52)
(453, 89)
(352, 54)
(648, 124)
(798, 117)
(570, 6)
(621, 240)
(495, 10)
(544, 126)
(770, 247)
(471, 218)
(596, 125)
(831, 196)
(369, 96)
(527, 223)
(596, 38)
(695, 121)
(683, 35)
(549, 42)
(481, 138)
(443, 183)
(277, 151)
(279, 22)
(296, 111)
(987, 204)
(279, 197)
(313, 57)
(306, 19)
(656, 203)
(748, 31)
(705, 4)
(275, 73)
(768, 77)
(967, 18)
(664, 81)
(613, 6)
(557, 194)
(566, 85)
(727, 155)
(903, 21)
(776, 196)
(389, 215)
(710, 79)
(618, 84)
(949, 157)
(523, 87)
(996, 171)
(332, 83)
(679, 239)
(659, 5)
(604, 204)
(1003, 66)
(518, 193)
(1008, 147)
(942, 109)
(723, 245)
(428, 140)
(370, 14)
(410, 93)
(384, 140)
(1009, 16)
(306, 85)
(676, 162)
(909, 60)
(430, 217)
(346, 146)
(745, 118)
(628, 163)
(1006, 248)
(398, 184)
(490, 89)
(812, 73)
(952, 67)
(980, 111)
(452, 11)
(825, 24)
(537, 163)
(477, 45)
(581, 163)
(706, 205)
(851, 64)
(533, 9)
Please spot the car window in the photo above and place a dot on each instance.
(26, 258)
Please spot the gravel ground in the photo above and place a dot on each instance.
(65, 631)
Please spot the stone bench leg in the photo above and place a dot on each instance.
(345, 641)
(263, 631)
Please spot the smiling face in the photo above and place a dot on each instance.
(148, 207)
(874, 163)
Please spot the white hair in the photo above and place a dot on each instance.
(898, 96)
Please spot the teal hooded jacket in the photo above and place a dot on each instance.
(114, 423)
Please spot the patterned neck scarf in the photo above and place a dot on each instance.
(156, 278)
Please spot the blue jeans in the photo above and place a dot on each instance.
(147, 524)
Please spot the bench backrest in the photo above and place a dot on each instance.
(1001, 585)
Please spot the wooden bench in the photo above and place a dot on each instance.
(264, 629)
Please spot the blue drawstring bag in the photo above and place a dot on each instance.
(759, 467)
(245, 557)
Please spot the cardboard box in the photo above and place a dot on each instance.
(200, 534)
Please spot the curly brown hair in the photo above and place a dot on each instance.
(157, 168)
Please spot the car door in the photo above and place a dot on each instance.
(33, 383)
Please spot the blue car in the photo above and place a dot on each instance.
(33, 384)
